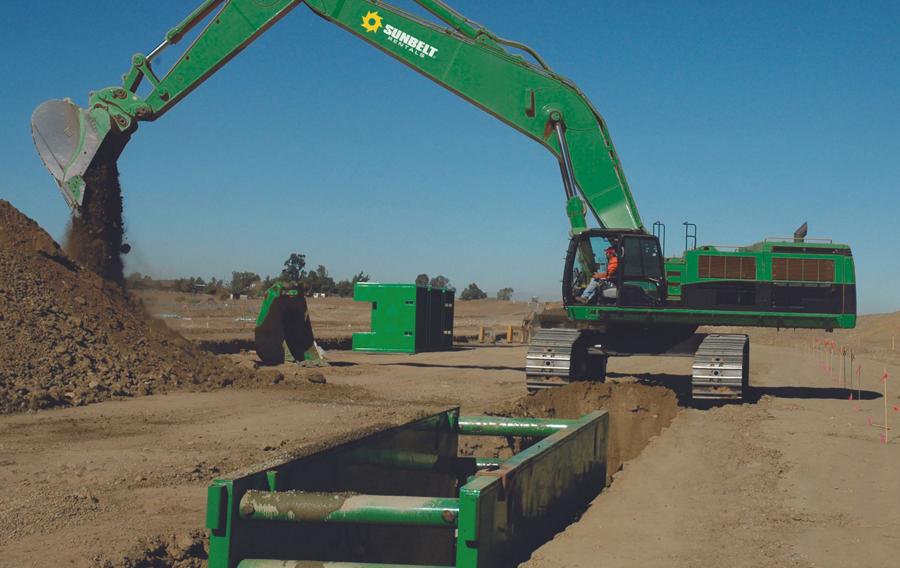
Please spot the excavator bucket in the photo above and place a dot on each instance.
(284, 318)
(67, 140)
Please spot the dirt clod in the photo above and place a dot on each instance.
(317, 379)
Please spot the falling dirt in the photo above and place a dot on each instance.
(68, 337)
(95, 235)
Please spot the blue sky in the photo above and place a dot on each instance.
(746, 118)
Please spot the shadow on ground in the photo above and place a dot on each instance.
(681, 386)
(482, 367)
(811, 393)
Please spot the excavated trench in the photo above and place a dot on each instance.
(638, 413)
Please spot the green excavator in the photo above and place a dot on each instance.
(650, 304)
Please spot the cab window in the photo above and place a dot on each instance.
(642, 276)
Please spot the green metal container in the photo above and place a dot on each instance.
(406, 318)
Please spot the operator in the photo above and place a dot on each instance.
(601, 280)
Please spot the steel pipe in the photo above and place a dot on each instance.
(315, 507)
(502, 426)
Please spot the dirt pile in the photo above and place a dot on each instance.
(95, 236)
(637, 412)
(67, 337)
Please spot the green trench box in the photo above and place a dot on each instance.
(404, 497)
(406, 318)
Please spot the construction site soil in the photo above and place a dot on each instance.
(68, 337)
(797, 477)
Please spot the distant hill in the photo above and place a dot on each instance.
(871, 337)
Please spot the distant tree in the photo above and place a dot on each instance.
(294, 267)
(505, 294)
(473, 292)
(344, 288)
(319, 281)
(190, 285)
(214, 287)
(422, 280)
(440, 282)
(242, 282)
(267, 283)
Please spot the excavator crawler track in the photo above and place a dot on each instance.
(549, 361)
(721, 368)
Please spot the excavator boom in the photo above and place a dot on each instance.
(464, 58)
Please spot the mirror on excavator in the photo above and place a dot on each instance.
(284, 319)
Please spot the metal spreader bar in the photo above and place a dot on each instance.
(320, 507)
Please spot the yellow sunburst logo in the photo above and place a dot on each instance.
(372, 22)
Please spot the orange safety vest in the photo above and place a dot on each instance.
(611, 268)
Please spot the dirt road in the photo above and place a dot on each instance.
(797, 479)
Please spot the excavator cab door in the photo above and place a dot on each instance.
(641, 274)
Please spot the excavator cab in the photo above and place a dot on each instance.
(637, 281)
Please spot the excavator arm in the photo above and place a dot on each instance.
(463, 57)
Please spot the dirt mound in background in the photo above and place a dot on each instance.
(67, 337)
(94, 238)
(637, 412)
